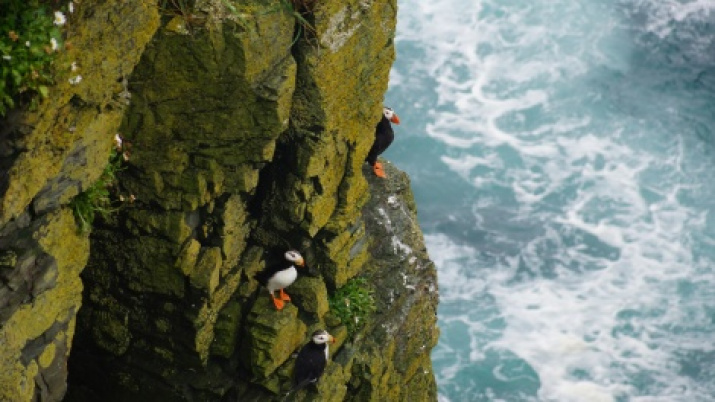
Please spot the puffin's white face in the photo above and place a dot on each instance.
(295, 257)
(321, 336)
(390, 115)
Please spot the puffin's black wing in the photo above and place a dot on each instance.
(309, 365)
(264, 275)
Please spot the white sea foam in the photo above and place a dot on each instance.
(592, 206)
(663, 13)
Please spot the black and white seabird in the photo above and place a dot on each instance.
(383, 138)
(280, 276)
(311, 360)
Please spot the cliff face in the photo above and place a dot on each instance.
(245, 143)
(47, 157)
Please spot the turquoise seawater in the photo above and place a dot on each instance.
(563, 161)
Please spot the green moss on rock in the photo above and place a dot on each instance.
(271, 337)
(244, 147)
(310, 295)
(227, 330)
(65, 136)
(208, 270)
(54, 256)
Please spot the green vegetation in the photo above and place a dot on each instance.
(185, 9)
(98, 197)
(298, 9)
(29, 38)
(182, 7)
(353, 303)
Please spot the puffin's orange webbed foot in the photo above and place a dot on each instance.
(278, 303)
(379, 172)
(284, 296)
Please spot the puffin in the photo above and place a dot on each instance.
(383, 138)
(280, 276)
(311, 360)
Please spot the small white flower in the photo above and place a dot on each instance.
(75, 80)
(71, 7)
(60, 18)
(27, 43)
(6, 57)
(74, 66)
(53, 44)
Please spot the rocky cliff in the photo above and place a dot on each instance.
(249, 123)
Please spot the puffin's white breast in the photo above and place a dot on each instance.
(282, 279)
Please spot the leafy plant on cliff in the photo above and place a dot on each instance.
(185, 9)
(299, 9)
(97, 199)
(353, 303)
(29, 39)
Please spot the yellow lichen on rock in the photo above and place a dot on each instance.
(58, 241)
(249, 131)
(272, 337)
(47, 356)
(60, 127)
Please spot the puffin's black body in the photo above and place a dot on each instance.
(311, 360)
(383, 138)
(309, 365)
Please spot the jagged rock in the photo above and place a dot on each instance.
(247, 140)
(226, 329)
(271, 337)
(37, 326)
(310, 295)
(107, 40)
(50, 155)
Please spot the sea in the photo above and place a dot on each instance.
(563, 162)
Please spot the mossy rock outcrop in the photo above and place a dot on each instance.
(47, 156)
(248, 136)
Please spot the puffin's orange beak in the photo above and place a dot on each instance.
(332, 339)
(395, 119)
(300, 263)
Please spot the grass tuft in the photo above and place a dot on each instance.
(97, 199)
(185, 9)
(353, 303)
(299, 9)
